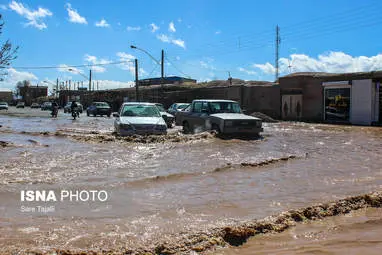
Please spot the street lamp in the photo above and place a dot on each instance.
(155, 60)
(87, 78)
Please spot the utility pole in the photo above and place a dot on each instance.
(162, 75)
(278, 40)
(57, 88)
(136, 81)
(229, 78)
(90, 79)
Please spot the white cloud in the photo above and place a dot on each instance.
(218, 32)
(110, 84)
(163, 38)
(14, 76)
(129, 62)
(250, 72)
(74, 16)
(34, 17)
(168, 39)
(207, 65)
(153, 27)
(331, 62)
(102, 23)
(3, 7)
(267, 68)
(93, 60)
(179, 20)
(179, 42)
(133, 28)
(171, 27)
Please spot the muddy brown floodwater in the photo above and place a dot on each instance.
(163, 192)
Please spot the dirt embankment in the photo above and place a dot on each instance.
(238, 234)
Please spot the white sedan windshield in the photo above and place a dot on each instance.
(140, 111)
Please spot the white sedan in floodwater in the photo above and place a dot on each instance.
(139, 118)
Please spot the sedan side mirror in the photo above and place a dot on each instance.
(116, 114)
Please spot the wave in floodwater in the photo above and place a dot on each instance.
(234, 235)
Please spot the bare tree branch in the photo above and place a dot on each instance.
(7, 52)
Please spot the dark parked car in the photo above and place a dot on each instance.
(46, 106)
(68, 108)
(176, 107)
(99, 108)
(20, 105)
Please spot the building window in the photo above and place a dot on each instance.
(337, 104)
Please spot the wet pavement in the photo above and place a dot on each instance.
(159, 189)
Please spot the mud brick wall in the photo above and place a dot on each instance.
(265, 99)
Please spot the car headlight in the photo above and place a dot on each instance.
(228, 123)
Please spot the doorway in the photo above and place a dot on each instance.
(291, 107)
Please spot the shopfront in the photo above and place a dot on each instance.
(337, 101)
(356, 102)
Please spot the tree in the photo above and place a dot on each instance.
(7, 52)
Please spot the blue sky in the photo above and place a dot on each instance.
(202, 39)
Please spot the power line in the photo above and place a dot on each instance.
(172, 64)
(69, 66)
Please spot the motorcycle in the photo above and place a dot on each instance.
(75, 113)
(54, 112)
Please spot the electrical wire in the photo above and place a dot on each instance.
(70, 66)
(172, 64)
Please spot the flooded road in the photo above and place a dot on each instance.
(160, 191)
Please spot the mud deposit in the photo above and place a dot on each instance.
(182, 194)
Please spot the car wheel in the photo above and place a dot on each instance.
(186, 128)
(215, 128)
(108, 115)
(87, 113)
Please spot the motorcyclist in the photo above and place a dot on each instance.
(74, 109)
(54, 109)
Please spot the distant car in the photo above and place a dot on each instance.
(139, 118)
(35, 105)
(99, 108)
(68, 108)
(46, 106)
(168, 118)
(20, 105)
(176, 107)
(3, 106)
